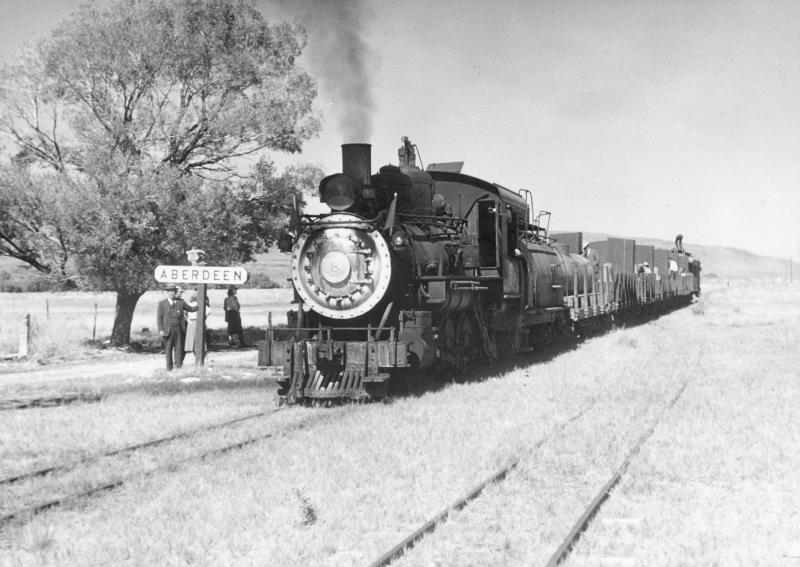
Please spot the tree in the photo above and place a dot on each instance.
(131, 123)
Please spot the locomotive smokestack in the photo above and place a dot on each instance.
(357, 162)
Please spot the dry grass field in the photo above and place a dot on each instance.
(715, 485)
(62, 323)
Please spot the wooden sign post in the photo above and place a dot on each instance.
(202, 275)
(195, 257)
(200, 332)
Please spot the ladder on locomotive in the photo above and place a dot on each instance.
(530, 228)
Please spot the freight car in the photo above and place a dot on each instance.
(414, 270)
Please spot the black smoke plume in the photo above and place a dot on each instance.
(338, 57)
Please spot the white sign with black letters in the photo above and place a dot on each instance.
(201, 275)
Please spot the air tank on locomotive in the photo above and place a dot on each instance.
(552, 271)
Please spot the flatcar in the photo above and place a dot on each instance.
(417, 270)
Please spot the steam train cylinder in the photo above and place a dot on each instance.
(416, 330)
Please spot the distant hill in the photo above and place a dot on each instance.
(719, 261)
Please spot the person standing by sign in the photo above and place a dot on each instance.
(191, 327)
(232, 317)
(172, 325)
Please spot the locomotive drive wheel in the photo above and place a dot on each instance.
(457, 337)
(448, 334)
(465, 341)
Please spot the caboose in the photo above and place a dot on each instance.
(414, 270)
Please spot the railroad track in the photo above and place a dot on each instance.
(26, 512)
(588, 515)
(583, 522)
(23, 513)
(47, 401)
(131, 448)
(580, 525)
(498, 476)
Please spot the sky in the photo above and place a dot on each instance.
(636, 118)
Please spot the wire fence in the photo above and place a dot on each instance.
(66, 320)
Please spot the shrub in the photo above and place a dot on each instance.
(22, 281)
(261, 280)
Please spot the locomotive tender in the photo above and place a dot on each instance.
(418, 269)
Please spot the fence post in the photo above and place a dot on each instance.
(24, 335)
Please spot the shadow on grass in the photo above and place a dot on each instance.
(191, 379)
(481, 370)
(216, 339)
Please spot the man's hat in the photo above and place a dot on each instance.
(171, 287)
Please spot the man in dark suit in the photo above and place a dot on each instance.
(172, 325)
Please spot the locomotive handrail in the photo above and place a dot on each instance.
(434, 237)
(322, 215)
(450, 226)
(536, 237)
(467, 284)
(365, 224)
(475, 202)
(313, 220)
(438, 219)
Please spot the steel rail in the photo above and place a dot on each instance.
(130, 448)
(43, 506)
(583, 522)
(409, 542)
(47, 402)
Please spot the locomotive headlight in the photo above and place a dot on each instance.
(335, 267)
(342, 268)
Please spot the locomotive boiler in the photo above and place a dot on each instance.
(417, 269)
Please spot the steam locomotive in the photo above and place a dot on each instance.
(414, 270)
